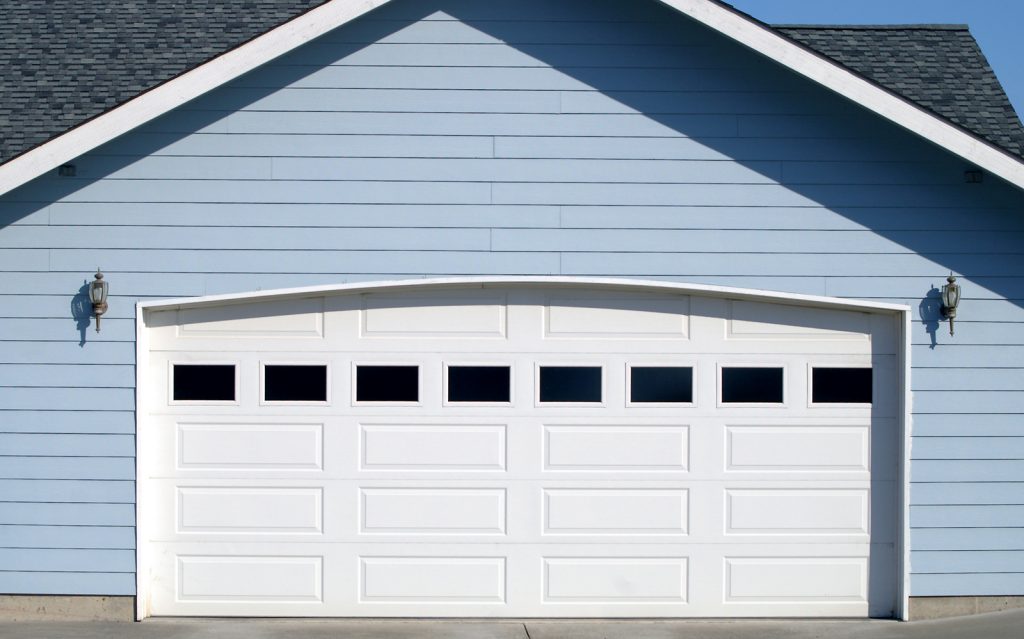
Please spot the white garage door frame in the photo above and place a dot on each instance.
(146, 508)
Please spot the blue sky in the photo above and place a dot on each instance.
(997, 24)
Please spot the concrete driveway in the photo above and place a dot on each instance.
(1000, 625)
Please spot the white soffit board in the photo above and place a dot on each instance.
(329, 16)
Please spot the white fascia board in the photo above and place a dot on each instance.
(182, 89)
(832, 75)
(554, 281)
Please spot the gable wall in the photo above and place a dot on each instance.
(505, 138)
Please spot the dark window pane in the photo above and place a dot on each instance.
(841, 386)
(479, 384)
(669, 384)
(752, 385)
(286, 383)
(387, 384)
(204, 382)
(570, 383)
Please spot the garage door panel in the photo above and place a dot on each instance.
(779, 511)
(432, 579)
(205, 447)
(806, 449)
(472, 315)
(255, 579)
(596, 317)
(608, 508)
(622, 511)
(519, 511)
(538, 580)
(529, 450)
(796, 580)
(758, 320)
(607, 579)
(247, 510)
(432, 511)
(623, 448)
(432, 447)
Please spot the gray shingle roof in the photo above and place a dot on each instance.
(67, 61)
(940, 67)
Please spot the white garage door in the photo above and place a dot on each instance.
(518, 452)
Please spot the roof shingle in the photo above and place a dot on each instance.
(940, 67)
(67, 61)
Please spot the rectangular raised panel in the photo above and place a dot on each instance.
(618, 317)
(250, 446)
(430, 447)
(615, 512)
(433, 511)
(796, 580)
(754, 320)
(250, 579)
(797, 448)
(434, 316)
(433, 579)
(610, 580)
(627, 448)
(290, 318)
(250, 510)
(781, 511)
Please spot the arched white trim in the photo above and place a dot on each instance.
(359, 287)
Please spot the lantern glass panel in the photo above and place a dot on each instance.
(98, 292)
(951, 295)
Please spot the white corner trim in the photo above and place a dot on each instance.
(907, 428)
(142, 461)
(848, 84)
(483, 281)
(180, 90)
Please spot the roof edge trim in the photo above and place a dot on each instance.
(831, 74)
(722, 18)
(180, 89)
(555, 280)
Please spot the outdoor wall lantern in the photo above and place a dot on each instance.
(98, 297)
(950, 300)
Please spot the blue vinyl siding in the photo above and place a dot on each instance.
(60, 583)
(494, 138)
(44, 420)
(91, 560)
(67, 492)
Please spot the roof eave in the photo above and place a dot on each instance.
(179, 90)
(833, 75)
(331, 15)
